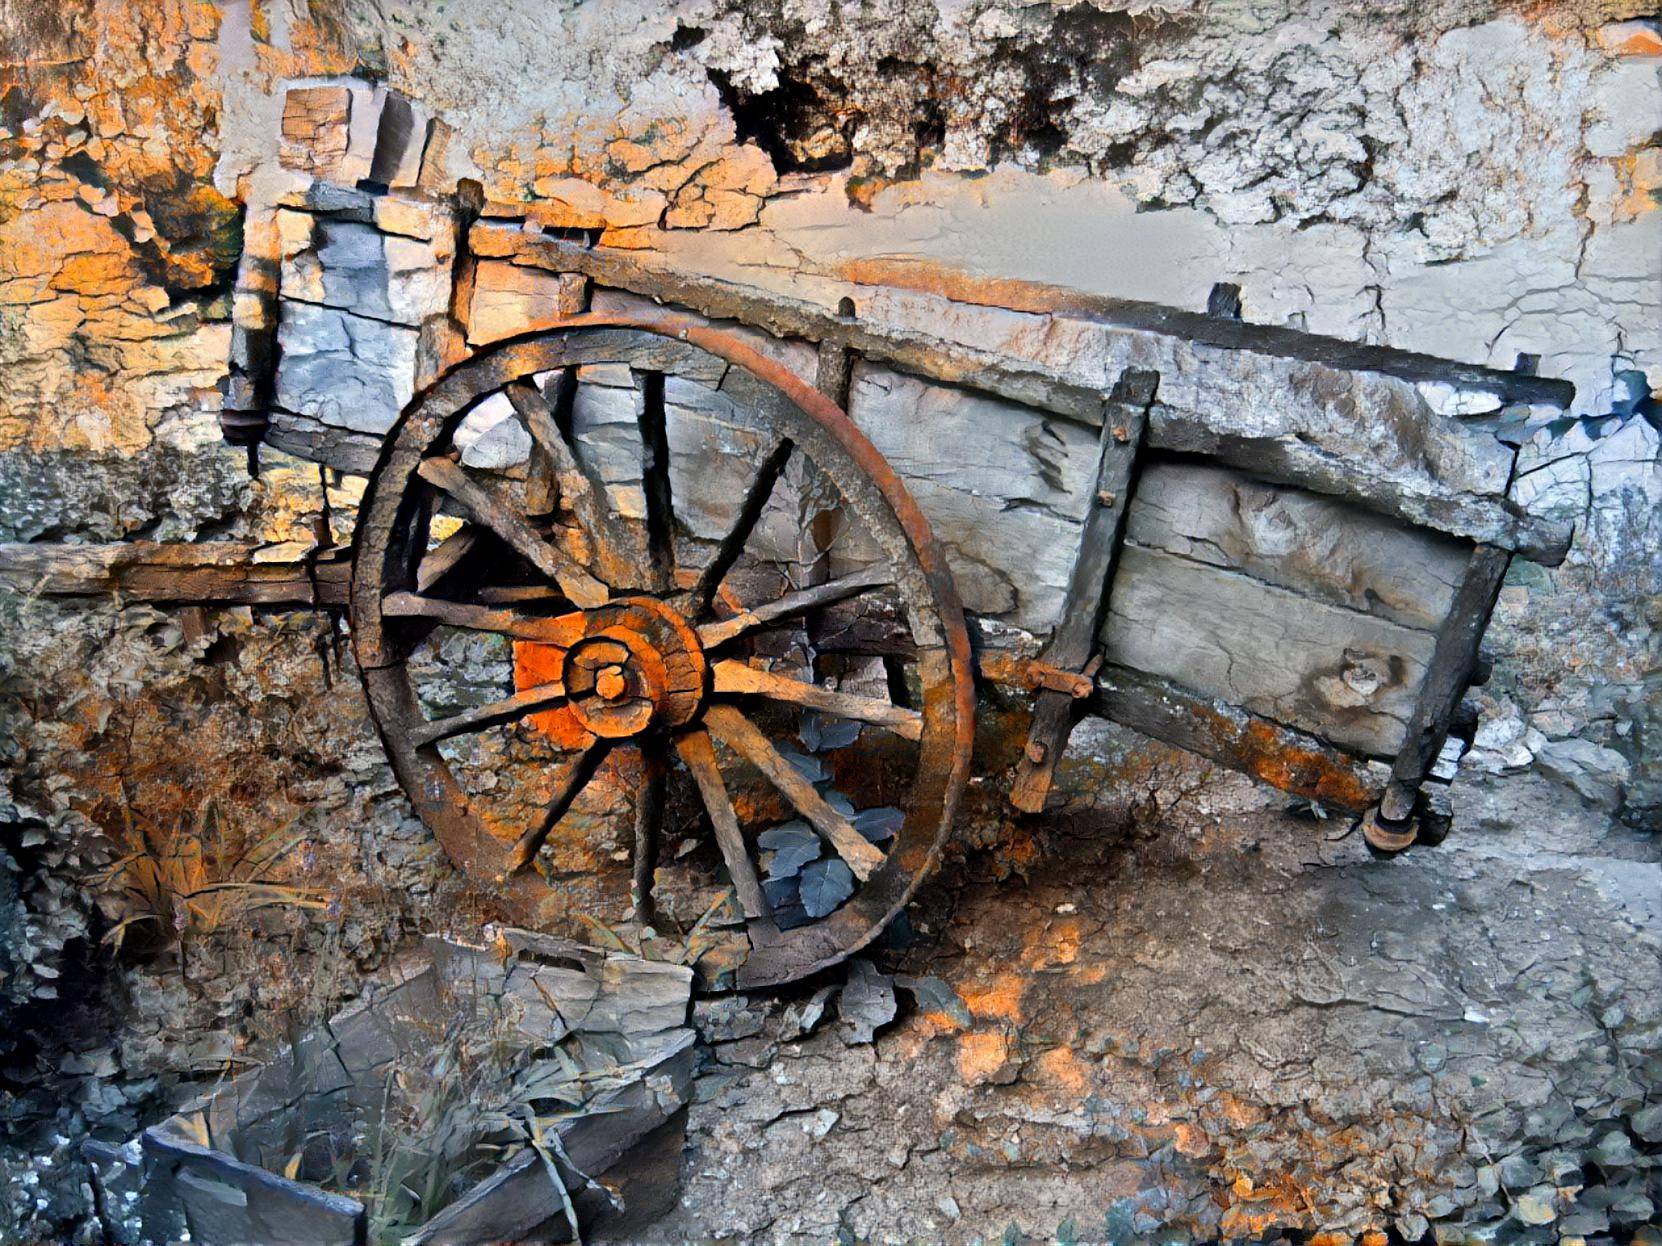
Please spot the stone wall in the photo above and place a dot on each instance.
(1475, 179)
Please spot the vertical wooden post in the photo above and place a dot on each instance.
(1075, 637)
(1453, 659)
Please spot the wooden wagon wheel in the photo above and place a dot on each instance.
(635, 641)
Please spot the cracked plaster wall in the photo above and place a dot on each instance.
(1473, 179)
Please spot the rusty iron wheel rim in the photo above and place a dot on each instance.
(387, 547)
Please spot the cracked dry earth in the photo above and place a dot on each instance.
(1184, 1013)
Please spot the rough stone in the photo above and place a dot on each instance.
(1595, 772)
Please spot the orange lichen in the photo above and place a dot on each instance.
(999, 998)
(982, 1057)
(1061, 1069)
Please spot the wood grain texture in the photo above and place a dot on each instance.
(1348, 677)
(1313, 544)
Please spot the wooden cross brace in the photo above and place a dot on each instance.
(1073, 644)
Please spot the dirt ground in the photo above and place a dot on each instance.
(1178, 1011)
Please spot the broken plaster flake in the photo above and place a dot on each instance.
(1559, 488)
(867, 1002)
(1626, 100)
(343, 369)
(1447, 400)
(490, 436)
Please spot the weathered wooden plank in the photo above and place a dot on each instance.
(788, 317)
(1446, 677)
(1005, 490)
(1307, 542)
(1281, 756)
(211, 573)
(308, 437)
(1217, 332)
(1288, 459)
(1125, 419)
(1349, 677)
(1316, 412)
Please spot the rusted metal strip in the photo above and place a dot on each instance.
(1281, 756)
(1453, 661)
(1073, 641)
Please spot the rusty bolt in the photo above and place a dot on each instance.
(1122, 434)
(1105, 497)
(1035, 752)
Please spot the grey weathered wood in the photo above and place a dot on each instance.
(493, 511)
(310, 438)
(548, 417)
(636, 1009)
(1075, 635)
(699, 755)
(1446, 677)
(1004, 488)
(1308, 542)
(1281, 756)
(655, 482)
(1328, 415)
(1349, 677)
(211, 573)
(1365, 481)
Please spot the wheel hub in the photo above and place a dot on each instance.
(638, 666)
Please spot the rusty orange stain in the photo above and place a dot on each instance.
(1060, 1067)
(1000, 998)
(1191, 1140)
(982, 1055)
(1054, 943)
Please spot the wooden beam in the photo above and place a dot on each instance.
(1475, 516)
(1281, 756)
(211, 573)
(1075, 637)
(1446, 676)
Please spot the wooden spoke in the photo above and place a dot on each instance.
(507, 710)
(444, 559)
(490, 510)
(649, 821)
(582, 490)
(743, 736)
(565, 629)
(732, 545)
(737, 677)
(515, 594)
(699, 755)
(660, 511)
(575, 778)
(799, 602)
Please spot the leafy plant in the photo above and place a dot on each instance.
(445, 1115)
(183, 880)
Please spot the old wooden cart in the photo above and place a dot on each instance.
(666, 515)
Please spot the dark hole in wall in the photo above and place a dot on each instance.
(795, 123)
(1085, 53)
(15, 108)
